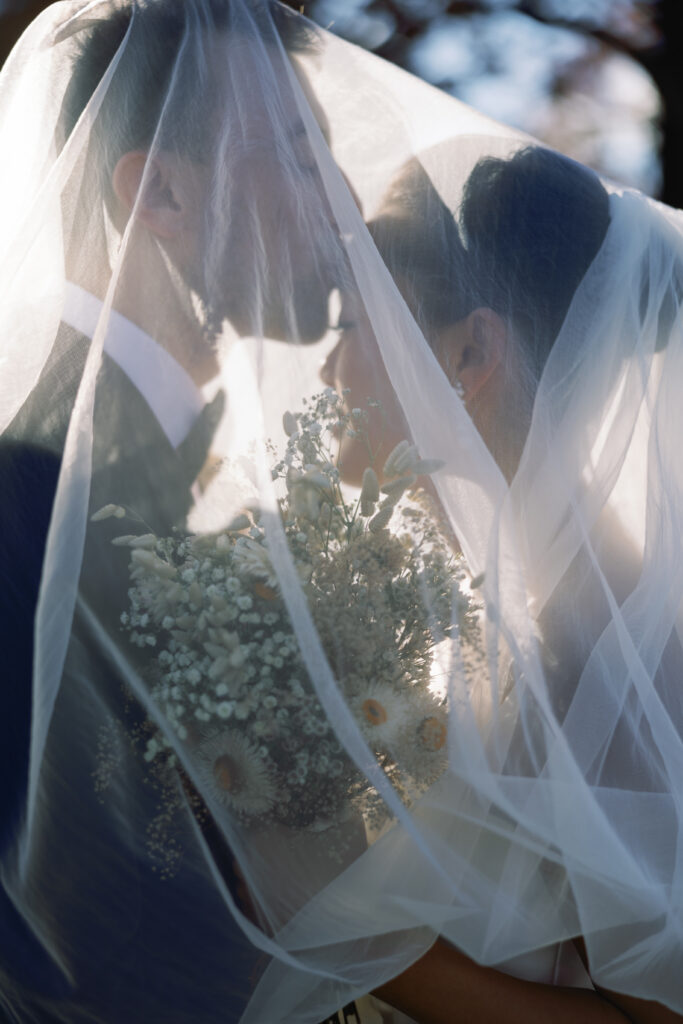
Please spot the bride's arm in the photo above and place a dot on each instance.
(446, 987)
(640, 1011)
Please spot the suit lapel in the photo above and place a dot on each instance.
(134, 464)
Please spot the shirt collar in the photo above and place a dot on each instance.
(170, 392)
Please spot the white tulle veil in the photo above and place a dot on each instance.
(269, 758)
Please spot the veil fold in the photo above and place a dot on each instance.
(300, 673)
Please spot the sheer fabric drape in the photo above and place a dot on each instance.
(273, 729)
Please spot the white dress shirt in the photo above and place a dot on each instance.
(170, 392)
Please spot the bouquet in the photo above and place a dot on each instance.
(225, 671)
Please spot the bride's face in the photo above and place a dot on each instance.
(355, 369)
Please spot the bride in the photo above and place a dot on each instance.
(272, 742)
(491, 308)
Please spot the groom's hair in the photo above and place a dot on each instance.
(151, 92)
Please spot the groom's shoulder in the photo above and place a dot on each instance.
(30, 460)
(28, 479)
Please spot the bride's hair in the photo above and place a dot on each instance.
(532, 225)
(418, 239)
(527, 230)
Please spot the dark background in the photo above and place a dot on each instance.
(598, 79)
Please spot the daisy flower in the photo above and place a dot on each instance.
(232, 770)
(422, 747)
(252, 558)
(382, 712)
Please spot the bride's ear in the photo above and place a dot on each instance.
(153, 187)
(473, 349)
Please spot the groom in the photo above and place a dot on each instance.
(203, 248)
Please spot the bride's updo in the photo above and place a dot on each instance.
(418, 238)
(526, 230)
(532, 226)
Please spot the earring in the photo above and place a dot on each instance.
(459, 389)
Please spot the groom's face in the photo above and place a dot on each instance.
(261, 239)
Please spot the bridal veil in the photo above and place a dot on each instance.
(298, 674)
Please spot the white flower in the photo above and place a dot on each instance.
(233, 771)
(395, 488)
(252, 557)
(422, 748)
(220, 667)
(382, 712)
(289, 424)
(305, 499)
(106, 512)
(238, 657)
(151, 750)
(370, 489)
(432, 733)
(394, 458)
(145, 540)
(381, 520)
(150, 562)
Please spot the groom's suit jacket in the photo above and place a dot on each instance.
(137, 970)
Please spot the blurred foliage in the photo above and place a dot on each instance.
(578, 74)
(597, 79)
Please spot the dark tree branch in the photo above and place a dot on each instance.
(615, 42)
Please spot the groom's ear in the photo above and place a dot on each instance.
(152, 188)
(476, 348)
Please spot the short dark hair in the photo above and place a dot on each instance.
(132, 107)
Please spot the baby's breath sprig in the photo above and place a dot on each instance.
(223, 664)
